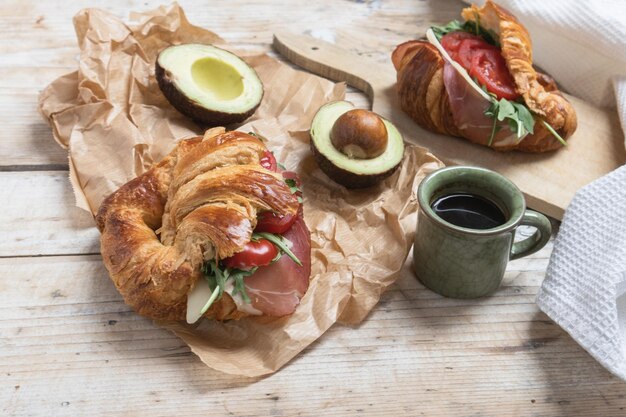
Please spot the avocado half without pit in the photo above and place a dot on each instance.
(354, 147)
(208, 84)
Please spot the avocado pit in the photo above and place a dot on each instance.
(359, 134)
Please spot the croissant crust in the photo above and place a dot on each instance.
(424, 98)
(199, 203)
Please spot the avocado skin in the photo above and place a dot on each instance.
(201, 115)
(346, 178)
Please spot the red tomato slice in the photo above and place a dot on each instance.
(257, 253)
(451, 41)
(489, 68)
(468, 48)
(271, 222)
(482, 61)
(268, 161)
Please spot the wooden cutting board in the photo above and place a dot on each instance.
(548, 180)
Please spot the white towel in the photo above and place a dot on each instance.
(582, 44)
(585, 285)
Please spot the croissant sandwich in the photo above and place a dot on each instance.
(476, 80)
(214, 230)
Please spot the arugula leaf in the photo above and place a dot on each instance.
(239, 286)
(277, 257)
(280, 242)
(524, 116)
(492, 111)
(209, 302)
(517, 115)
(293, 185)
(471, 27)
(217, 276)
(209, 275)
(505, 109)
(259, 137)
(554, 132)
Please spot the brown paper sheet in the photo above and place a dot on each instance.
(114, 121)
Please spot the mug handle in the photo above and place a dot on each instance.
(538, 239)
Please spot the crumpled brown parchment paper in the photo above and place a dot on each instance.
(114, 121)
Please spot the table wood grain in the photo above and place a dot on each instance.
(70, 346)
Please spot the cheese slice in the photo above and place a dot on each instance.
(199, 300)
(430, 35)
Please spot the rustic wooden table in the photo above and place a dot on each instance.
(70, 346)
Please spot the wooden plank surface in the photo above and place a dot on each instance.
(70, 346)
(49, 224)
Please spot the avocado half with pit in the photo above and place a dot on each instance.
(208, 84)
(354, 147)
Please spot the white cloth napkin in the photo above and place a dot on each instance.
(582, 44)
(585, 287)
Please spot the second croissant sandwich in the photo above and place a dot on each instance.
(476, 80)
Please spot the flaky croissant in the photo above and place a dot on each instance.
(203, 199)
(424, 96)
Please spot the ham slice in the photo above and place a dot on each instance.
(468, 111)
(276, 289)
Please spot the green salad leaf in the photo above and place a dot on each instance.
(259, 137)
(471, 27)
(217, 276)
(209, 302)
(293, 185)
(237, 275)
(517, 115)
(554, 132)
(453, 26)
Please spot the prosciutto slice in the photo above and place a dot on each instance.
(468, 111)
(276, 289)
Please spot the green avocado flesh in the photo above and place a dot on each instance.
(208, 84)
(349, 172)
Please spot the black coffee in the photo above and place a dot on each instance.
(468, 210)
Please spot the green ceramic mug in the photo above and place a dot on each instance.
(462, 262)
